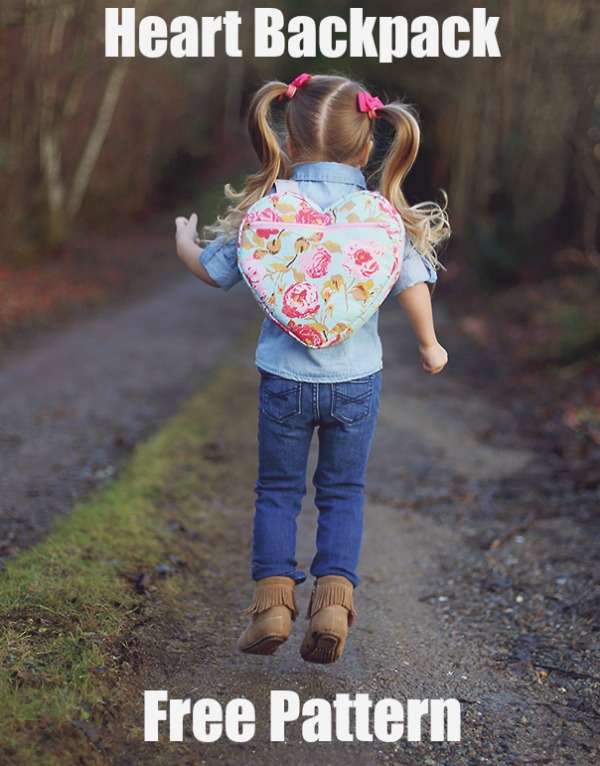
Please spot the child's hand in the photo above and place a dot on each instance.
(186, 229)
(186, 240)
(433, 357)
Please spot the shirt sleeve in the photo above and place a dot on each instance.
(415, 269)
(219, 258)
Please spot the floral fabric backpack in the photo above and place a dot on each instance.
(320, 274)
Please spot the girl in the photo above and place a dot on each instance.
(328, 139)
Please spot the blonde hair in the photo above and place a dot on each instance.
(323, 123)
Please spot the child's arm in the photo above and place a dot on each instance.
(187, 249)
(416, 303)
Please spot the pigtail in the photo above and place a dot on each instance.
(325, 123)
(427, 222)
(273, 161)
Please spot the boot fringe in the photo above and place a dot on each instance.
(273, 594)
(332, 594)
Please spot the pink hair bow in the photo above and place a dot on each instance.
(369, 104)
(295, 84)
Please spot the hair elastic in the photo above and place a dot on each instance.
(295, 84)
(369, 104)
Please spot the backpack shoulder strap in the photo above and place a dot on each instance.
(283, 186)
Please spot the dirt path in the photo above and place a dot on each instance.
(75, 402)
(510, 632)
(431, 478)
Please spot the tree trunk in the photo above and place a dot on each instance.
(87, 162)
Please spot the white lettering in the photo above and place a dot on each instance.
(285, 706)
(178, 709)
(232, 23)
(484, 34)
(342, 707)
(384, 37)
(185, 42)
(116, 32)
(361, 40)
(346, 718)
(415, 710)
(269, 40)
(393, 38)
(317, 728)
(207, 721)
(240, 720)
(438, 718)
(304, 41)
(389, 717)
(210, 27)
(152, 37)
(426, 42)
(152, 714)
(363, 705)
(451, 46)
(327, 27)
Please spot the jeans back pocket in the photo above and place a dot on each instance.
(280, 398)
(351, 400)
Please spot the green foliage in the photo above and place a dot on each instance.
(69, 602)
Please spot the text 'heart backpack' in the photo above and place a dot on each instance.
(320, 274)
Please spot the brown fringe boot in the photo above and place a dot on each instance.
(272, 610)
(331, 613)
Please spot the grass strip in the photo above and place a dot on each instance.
(70, 603)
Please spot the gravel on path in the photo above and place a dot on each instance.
(507, 632)
(438, 614)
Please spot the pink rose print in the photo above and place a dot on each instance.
(306, 334)
(387, 208)
(255, 273)
(315, 263)
(254, 269)
(300, 300)
(307, 214)
(362, 256)
(264, 217)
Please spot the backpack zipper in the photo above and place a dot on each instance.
(314, 226)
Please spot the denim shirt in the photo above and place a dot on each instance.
(277, 352)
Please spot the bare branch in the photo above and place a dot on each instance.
(85, 168)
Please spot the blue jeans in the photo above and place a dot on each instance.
(289, 411)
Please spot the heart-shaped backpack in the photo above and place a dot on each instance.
(320, 274)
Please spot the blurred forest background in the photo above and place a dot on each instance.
(87, 143)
